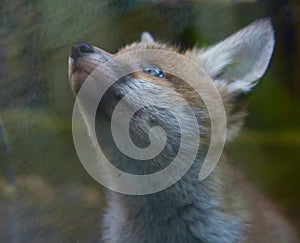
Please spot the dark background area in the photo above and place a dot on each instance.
(45, 193)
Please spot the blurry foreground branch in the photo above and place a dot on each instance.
(5, 167)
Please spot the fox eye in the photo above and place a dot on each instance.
(154, 71)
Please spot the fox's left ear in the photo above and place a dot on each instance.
(146, 37)
(241, 59)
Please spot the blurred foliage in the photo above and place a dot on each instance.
(36, 102)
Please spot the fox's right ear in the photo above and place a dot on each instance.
(146, 37)
(241, 59)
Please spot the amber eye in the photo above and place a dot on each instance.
(154, 71)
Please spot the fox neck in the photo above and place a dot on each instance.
(189, 211)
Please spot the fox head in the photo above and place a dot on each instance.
(234, 65)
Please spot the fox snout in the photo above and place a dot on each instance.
(83, 60)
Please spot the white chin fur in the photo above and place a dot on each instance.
(70, 67)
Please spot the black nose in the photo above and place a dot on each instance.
(80, 49)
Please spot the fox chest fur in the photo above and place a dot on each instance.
(221, 208)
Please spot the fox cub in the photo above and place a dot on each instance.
(221, 208)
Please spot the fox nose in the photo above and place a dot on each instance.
(80, 49)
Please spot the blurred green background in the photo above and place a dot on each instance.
(45, 193)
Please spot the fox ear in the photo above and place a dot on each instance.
(241, 59)
(146, 37)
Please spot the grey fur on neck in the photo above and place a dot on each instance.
(189, 211)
